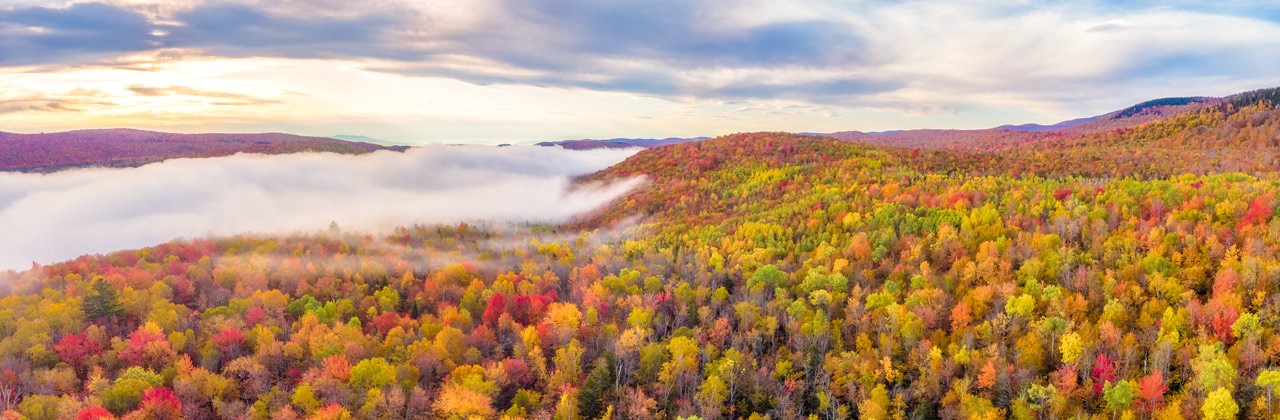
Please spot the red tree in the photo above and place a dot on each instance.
(1104, 370)
(385, 321)
(75, 349)
(1151, 390)
(494, 309)
(94, 413)
(159, 403)
(229, 341)
(254, 315)
(148, 348)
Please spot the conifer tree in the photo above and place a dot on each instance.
(103, 303)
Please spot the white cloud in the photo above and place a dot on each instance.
(52, 217)
(548, 69)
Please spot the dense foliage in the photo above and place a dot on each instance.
(758, 275)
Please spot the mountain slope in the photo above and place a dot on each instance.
(1036, 128)
(1209, 139)
(767, 275)
(48, 152)
(1014, 135)
(1213, 139)
(811, 276)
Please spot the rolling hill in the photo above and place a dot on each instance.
(973, 140)
(46, 152)
(1014, 135)
(1132, 272)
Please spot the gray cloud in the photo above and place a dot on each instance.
(86, 31)
(51, 217)
(554, 42)
(878, 54)
(644, 47)
(237, 30)
(679, 33)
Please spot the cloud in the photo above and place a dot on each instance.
(236, 30)
(1018, 58)
(680, 33)
(74, 101)
(939, 56)
(52, 217)
(658, 47)
(40, 104)
(628, 46)
(39, 35)
(226, 98)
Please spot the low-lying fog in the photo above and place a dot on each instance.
(48, 218)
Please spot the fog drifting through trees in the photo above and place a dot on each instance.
(48, 217)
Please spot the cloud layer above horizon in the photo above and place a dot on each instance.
(58, 216)
(549, 69)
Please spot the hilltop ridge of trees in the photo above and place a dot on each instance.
(49, 152)
(756, 275)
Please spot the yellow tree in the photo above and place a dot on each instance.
(456, 402)
(1220, 406)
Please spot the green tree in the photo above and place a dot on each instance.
(103, 303)
(39, 407)
(123, 395)
(1120, 395)
(372, 373)
(768, 275)
(595, 397)
(1022, 305)
(388, 299)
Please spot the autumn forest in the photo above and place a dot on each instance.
(1125, 270)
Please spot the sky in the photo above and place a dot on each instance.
(511, 71)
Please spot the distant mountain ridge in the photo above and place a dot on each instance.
(1036, 128)
(370, 140)
(1013, 135)
(47, 152)
(123, 147)
(618, 143)
(1157, 108)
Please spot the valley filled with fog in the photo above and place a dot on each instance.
(58, 216)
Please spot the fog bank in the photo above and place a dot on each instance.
(53, 217)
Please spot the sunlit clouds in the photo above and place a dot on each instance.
(496, 71)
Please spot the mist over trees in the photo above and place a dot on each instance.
(51, 217)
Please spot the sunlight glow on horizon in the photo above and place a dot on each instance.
(449, 72)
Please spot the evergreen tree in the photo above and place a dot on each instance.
(103, 303)
(594, 399)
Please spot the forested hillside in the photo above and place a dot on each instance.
(1211, 140)
(47, 152)
(1012, 136)
(1128, 274)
